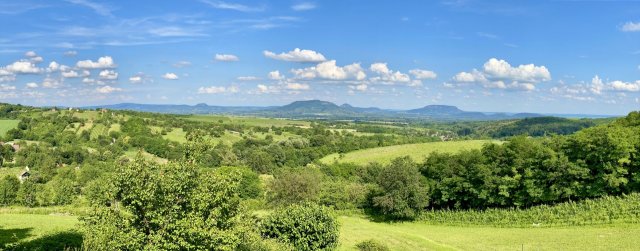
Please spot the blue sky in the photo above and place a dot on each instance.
(513, 56)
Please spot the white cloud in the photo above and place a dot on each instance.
(423, 74)
(303, 6)
(51, 83)
(263, 89)
(329, 70)
(212, 90)
(107, 89)
(226, 57)
(275, 75)
(70, 53)
(387, 76)
(297, 55)
(248, 78)
(297, 86)
(360, 87)
(170, 76)
(32, 85)
(182, 64)
(30, 54)
(5, 87)
(630, 27)
(625, 86)
(500, 74)
(70, 74)
(135, 79)
(88, 81)
(102, 63)
(53, 66)
(37, 59)
(108, 75)
(22, 67)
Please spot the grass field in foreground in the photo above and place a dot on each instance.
(6, 125)
(24, 228)
(421, 236)
(417, 152)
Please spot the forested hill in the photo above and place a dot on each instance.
(317, 109)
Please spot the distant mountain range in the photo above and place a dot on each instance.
(318, 109)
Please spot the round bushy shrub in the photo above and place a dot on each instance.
(305, 227)
(371, 245)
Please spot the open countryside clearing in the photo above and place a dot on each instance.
(418, 152)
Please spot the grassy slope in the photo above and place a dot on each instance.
(416, 151)
(421, 236)
(6, 125)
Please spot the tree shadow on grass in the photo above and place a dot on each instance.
(68, 240)
(8, 236)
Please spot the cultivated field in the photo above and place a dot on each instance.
(416, 151)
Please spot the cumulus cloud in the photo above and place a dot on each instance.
(303, 6)
(360, 87)
(21, 67)
(107, 89)
(37, 59)
(108, 75)
(423, 74)
(630, 27)
(226, 58)
(387, 76)
(275, 75)
(30, 54)
(264, 89)
(297, 55)
(135, 79)
(53, 66)
(497, 73)
(170, 76)
(330, 71)
(70, 74)
(212, 90)
(31, 85)
(102, 63)
(625, 86)
(51, 83)
(297, 86)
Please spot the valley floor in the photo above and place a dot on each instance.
(33, 230)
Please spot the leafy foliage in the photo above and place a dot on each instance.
(306, 227)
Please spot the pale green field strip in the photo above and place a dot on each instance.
(421, 236)
(26, 227)
(6, 125)
(417, 152)
(250, 121)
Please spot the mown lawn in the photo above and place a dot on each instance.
(6, 125)
(422, 236)
(31, 230)
(417, 152)
(38, 232)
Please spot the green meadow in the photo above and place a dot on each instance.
(416, 151)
